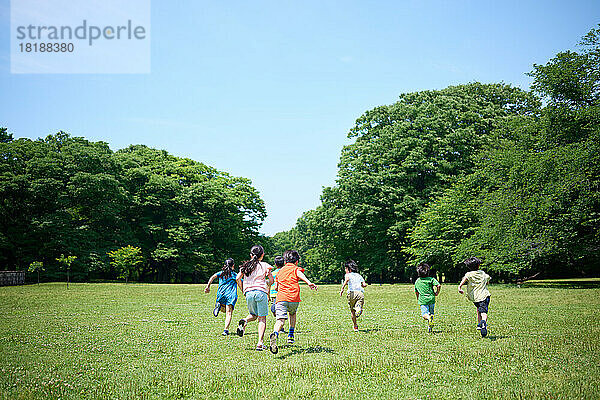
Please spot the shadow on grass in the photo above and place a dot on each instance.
(300, 350)
(369, 330)
(493, 338)
(568, 284)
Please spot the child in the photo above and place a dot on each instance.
(426, 289)
(356, 291)
(477, 291)
(226, 293)
(273, 291)
(279, 262)
(257, 277)
(288, 296)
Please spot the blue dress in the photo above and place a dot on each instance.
(227, 291)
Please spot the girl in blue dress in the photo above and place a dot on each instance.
(226, 293)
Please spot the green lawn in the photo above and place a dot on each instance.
(161, 341)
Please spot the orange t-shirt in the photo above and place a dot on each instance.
(288, 288)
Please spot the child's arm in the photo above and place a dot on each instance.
(303, 277)
(460, 285)
(436, 290)
(364, 284)
(417, 294)
(238, 279)
(212, 278)
(344, 285)
(270, 279)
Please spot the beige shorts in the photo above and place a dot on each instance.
(356, 300)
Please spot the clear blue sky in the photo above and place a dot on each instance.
(269, 90)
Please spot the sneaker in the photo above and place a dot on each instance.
(273, 343)
(479, 325)
(290, 340)
(217, 309)
(483, 328)
(240, 328)
(261, 347)
(225, 333)
(356, 329)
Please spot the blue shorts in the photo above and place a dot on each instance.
(482, 306)
(258, 303)
(427, 309)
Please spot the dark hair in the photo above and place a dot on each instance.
(227, 268)
(351, 265)
(423, 270)
(291, 256)
(279, 261)
(472, 262)
(249, 266)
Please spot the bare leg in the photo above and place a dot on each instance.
(228, 315)
(292, 321)
(353, 315)
(482, 316)
(250, 318)
(262, 326)
(278, 325)
(478, 316)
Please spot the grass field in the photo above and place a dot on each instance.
(140, 341)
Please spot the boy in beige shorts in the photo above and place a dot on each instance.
(356, 291)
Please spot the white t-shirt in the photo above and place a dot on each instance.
(354, 282)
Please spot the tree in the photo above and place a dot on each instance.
(66, 263)
(36, 266)
(126, 260)
(532, 203)
(403, 156)
(67, 195)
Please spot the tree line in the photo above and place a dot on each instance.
(135, 214)
(508, 175)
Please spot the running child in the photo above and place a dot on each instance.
(356, 291)
(477, 291)
(279, 262)
(257, 277)
(226, 293)
(288, 296)
(426, 289)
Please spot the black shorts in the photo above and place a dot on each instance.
(482, 306)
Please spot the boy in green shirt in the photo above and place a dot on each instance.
(426, 288)
(477, 291)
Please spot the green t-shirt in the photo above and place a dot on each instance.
(425, 288)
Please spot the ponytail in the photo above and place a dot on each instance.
(227, 268)
(248, 267)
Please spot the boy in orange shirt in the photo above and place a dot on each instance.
(288, 296)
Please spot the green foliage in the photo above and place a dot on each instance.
(404, 155)
(67, 261)
(126, 260)
(532, 203)
(66, 195)
(36, 266)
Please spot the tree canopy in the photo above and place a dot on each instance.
(476, 169)
(67, 195)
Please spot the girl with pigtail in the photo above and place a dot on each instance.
(254, 279)
(226, 293)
